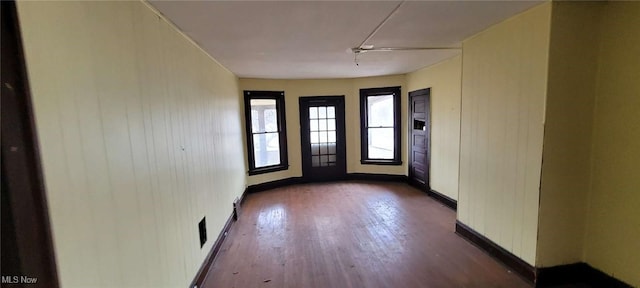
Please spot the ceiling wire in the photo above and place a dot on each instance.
(381, 24)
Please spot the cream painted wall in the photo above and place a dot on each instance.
(350, 88)
(444, 79)
(566, 159)
(145, 123)
(140, 137)
(504, 84)
(613, 229)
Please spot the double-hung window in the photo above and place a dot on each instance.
(266, 131)
(380, 126)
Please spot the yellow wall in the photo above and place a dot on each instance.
(504, 80)
(134, 118)
(140, 138)
(566, 160)
(350, 88)
(613, 229)
(444, 79)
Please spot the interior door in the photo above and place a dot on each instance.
(27, 246)
(420, 131)
(322, 135)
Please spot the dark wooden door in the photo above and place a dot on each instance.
(27, 247)
(420, 132)
(322, 135)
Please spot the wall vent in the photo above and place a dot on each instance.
(202, 229)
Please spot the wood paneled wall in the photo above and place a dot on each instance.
(566, 163)
(504, 80)
(140, 138)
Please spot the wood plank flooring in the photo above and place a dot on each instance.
(351, 234)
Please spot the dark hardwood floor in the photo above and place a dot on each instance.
(351, 234)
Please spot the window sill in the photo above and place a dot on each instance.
(267, 169)
(380, 162)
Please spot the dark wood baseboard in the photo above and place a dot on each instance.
(445, 200)
(516, 264)
(237, 205)
(576, 274)
(243, 196)
(349, 176)
(572, 274)
(274, 184)
(453, 204)
(377, 177)
(215, 249)
(418, 185)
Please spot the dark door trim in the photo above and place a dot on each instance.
(27, 246)
(340, 170)
(427, 93)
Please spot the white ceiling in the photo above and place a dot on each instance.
(311, 39)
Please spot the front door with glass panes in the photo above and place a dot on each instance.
(323, 138)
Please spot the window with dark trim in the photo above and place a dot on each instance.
(380, 126)
(266, 131)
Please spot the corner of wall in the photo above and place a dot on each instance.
(565, 176)
(613, 222)
(502, 116)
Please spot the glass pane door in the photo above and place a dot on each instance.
(322, 135)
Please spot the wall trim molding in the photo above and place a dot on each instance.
(237, 205)
(444, 199)
(516, 264)
(274, 184)
(202, 273)
(572, 274)
(349, 176)
(576, 273)
(378, 177)
(243, 197)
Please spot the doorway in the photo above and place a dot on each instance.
(27, 246)
(420, 136)
(322, 136)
